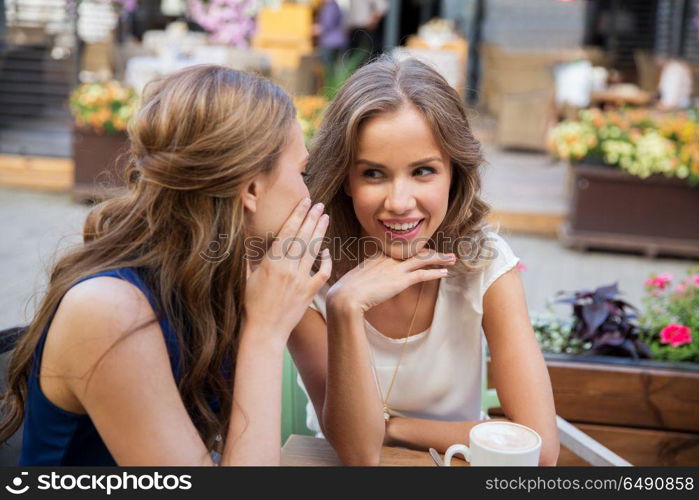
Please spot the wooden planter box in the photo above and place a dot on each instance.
(612, 209)
(99, 164)
(647, 412)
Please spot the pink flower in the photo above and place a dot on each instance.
(680, 288)
(660, 281)
(521, 266)
(229, 21)
(675, 335)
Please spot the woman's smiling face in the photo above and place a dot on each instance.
(399, 183)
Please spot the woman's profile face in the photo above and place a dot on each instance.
(399, 183)
(281, 190)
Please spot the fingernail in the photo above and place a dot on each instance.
(306, 202)
(444, 271)
(325, 218)
(318, 207)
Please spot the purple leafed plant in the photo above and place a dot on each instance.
(606, 321)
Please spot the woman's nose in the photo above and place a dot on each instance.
(399, 199)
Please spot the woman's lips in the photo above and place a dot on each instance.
(401, 235)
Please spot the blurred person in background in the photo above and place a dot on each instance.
(675, 85)
(365, 25)
(331, 32)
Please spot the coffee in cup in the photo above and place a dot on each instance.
(499, 443)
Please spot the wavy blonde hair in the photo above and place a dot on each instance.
(200, 136)
(382, 86)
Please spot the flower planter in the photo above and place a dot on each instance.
(99, 163)
(645, 411)
(612, 209)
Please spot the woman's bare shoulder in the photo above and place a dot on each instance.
(111, 303)
(93, 316)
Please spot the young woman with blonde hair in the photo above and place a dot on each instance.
(391, 349)
(160, 339)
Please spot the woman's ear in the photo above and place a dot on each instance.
(251, 196)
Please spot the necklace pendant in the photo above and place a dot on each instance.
(386, 414)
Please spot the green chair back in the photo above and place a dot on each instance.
(293, 402)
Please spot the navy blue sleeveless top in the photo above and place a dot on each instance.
(54, 436)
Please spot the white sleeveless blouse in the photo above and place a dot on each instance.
(440, 375)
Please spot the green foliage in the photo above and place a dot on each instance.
(341, 71)
(554, 334)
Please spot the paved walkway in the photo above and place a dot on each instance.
(34, 225)
(519, 182)
(524, 182)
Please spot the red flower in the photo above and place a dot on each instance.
(675, 335)
(660, 281)
(521, 266)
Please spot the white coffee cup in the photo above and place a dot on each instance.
(499, 443)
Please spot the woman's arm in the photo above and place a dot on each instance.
(422, 434)
(255, 429)
(344, 392)
(353, 411)
(334, 358)
(277, 295)
(519, 373)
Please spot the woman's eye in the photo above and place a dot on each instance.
(372, 173)
(423, 171)
(305, 175)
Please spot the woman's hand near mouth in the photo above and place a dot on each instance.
(378, 278)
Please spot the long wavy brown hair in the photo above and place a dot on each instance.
(381, 86)
(200, 136)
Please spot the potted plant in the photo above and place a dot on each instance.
(101, 111)
(629, 379)
(634, 178)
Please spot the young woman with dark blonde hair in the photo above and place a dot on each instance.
(391, 349)
(160, 339)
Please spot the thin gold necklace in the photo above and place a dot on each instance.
(386, 408)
